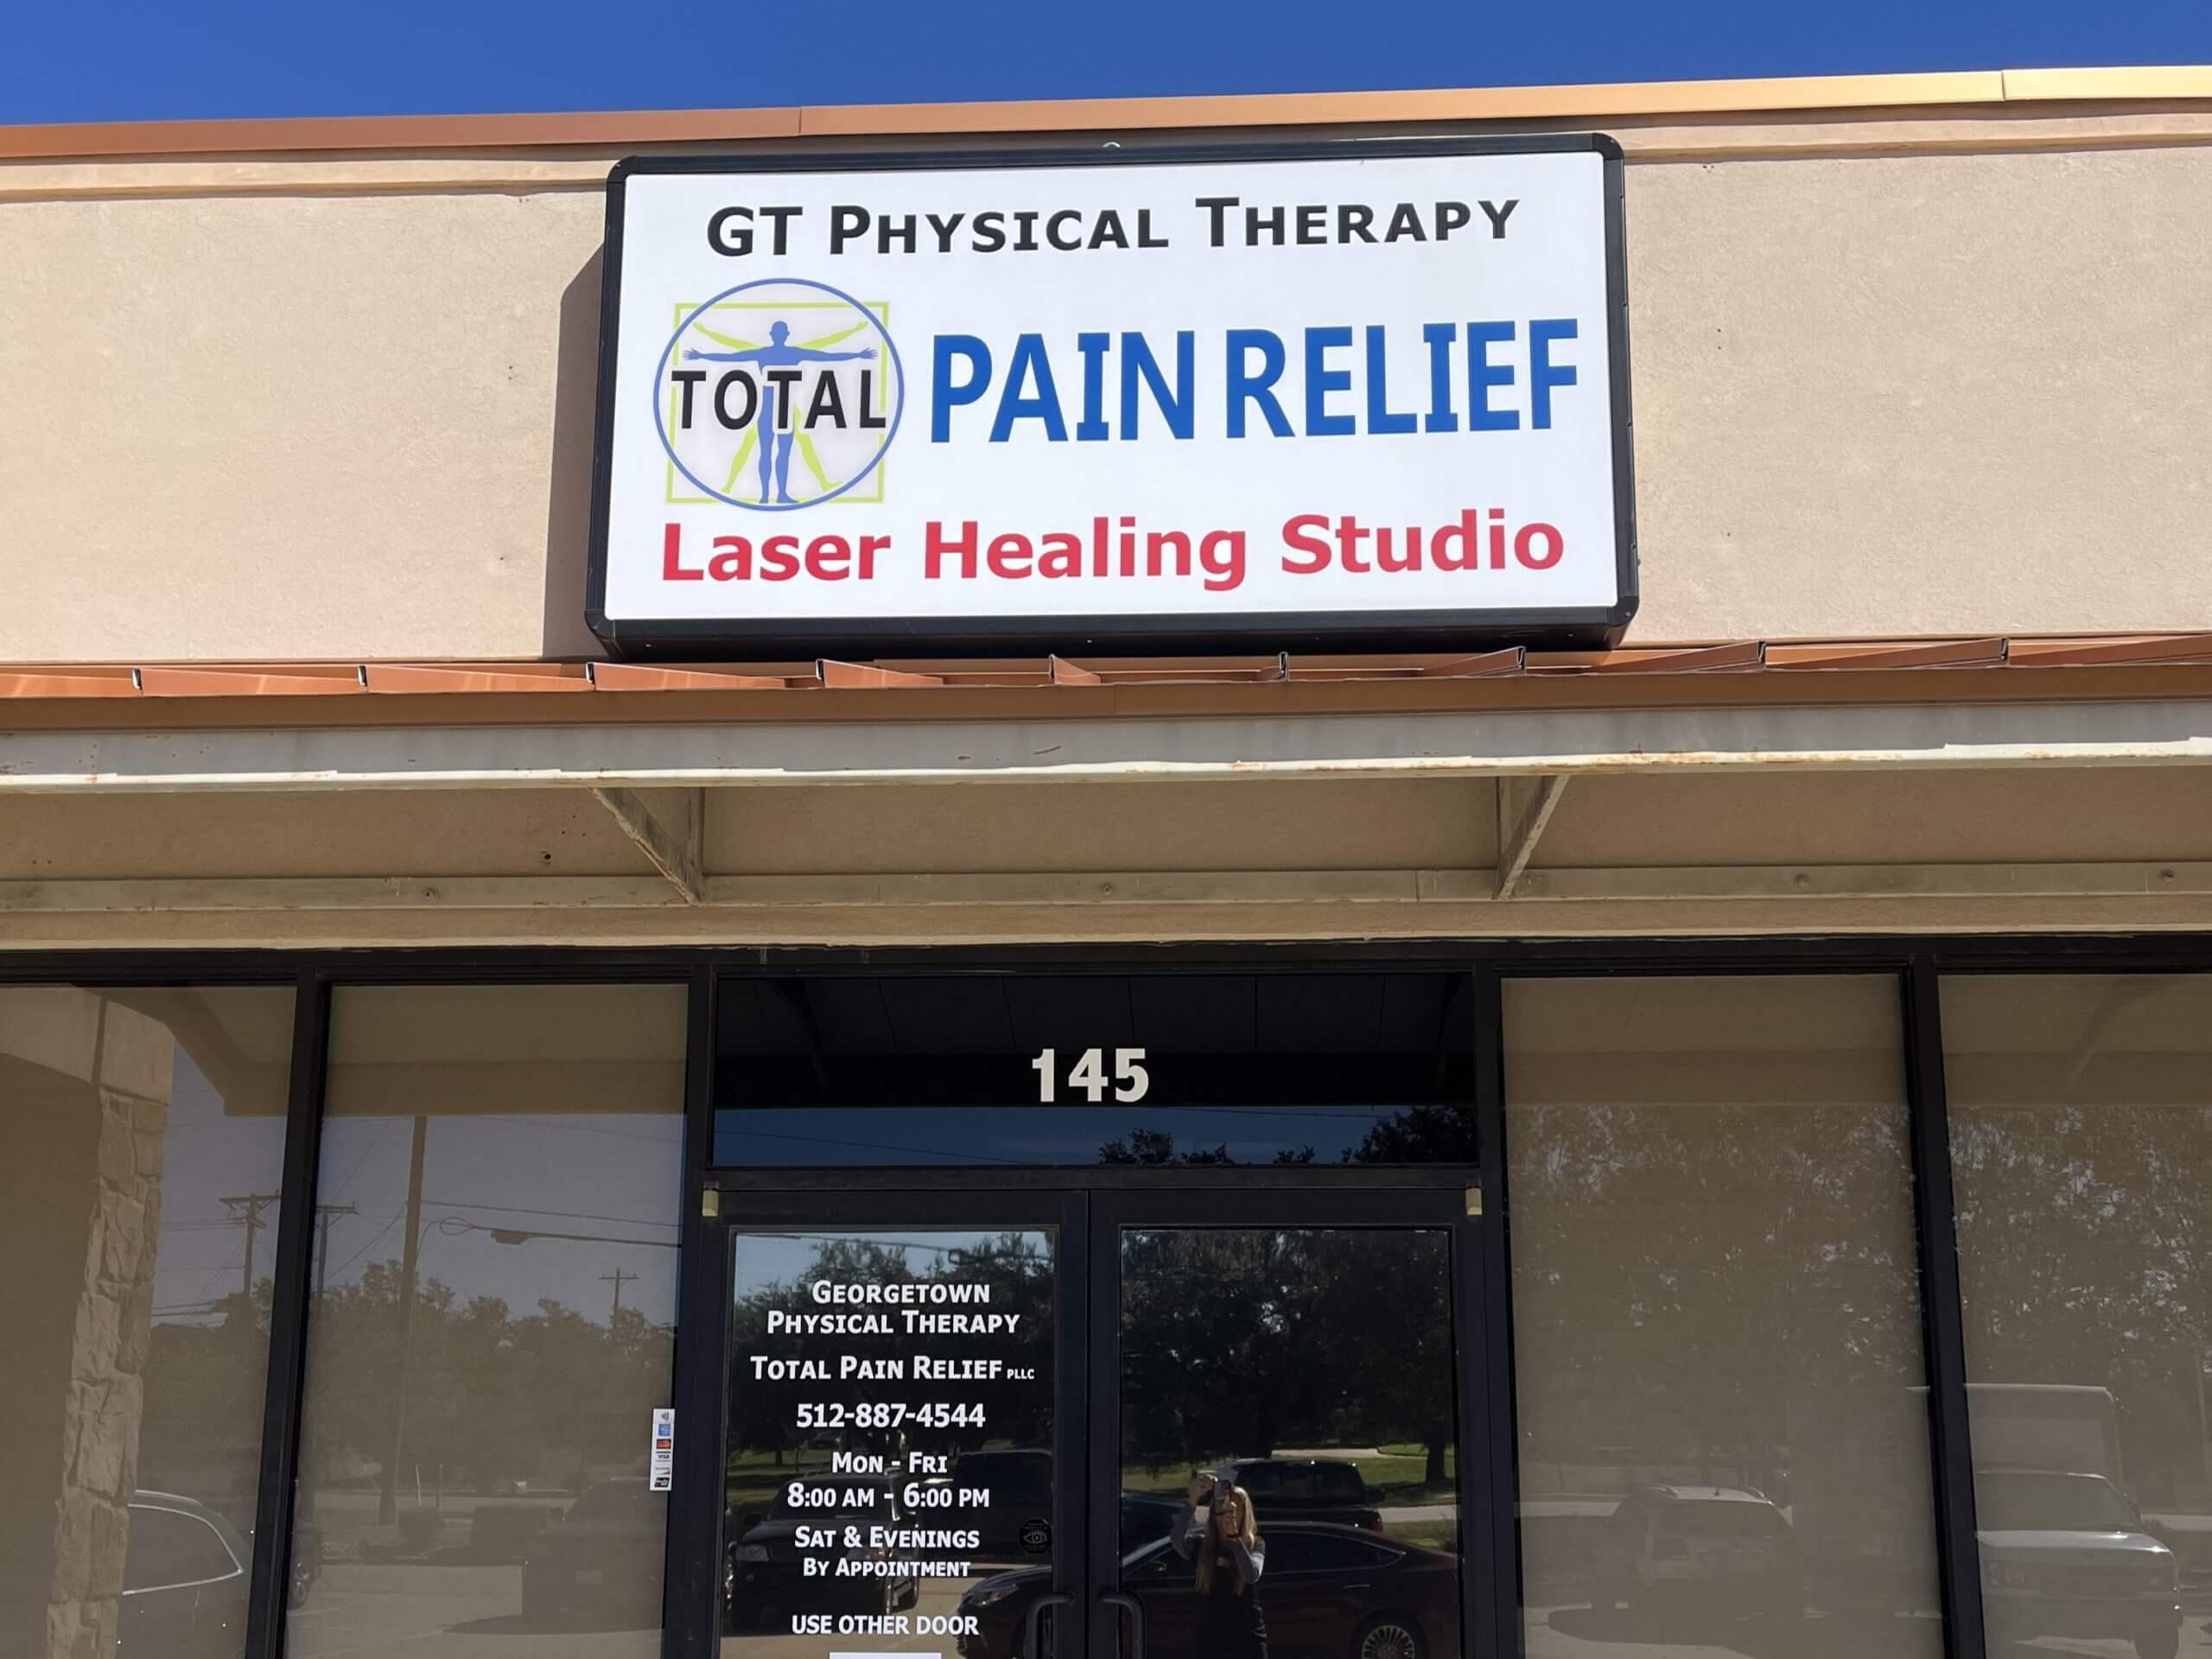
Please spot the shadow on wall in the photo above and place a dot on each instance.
(568, 499)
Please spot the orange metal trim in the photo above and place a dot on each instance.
(1512, 660)
(1732, 674)
(1703, 660)
(2158, 648)
(1956, 653)
(1442, 104)
(638, 676)
(69, 698)
(848, 677)
(69, 682)
(636, 129)
(611, 129)
(515, 677)
(1063, 672)
(300, 682)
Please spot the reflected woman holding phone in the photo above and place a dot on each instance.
(1218, 1532)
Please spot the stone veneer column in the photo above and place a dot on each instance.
(86, 1118)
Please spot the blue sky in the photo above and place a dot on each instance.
(127, 60)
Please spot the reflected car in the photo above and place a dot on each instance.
(763, 1576)
(1329, 1592)
(1145, 1519)
(1726, 1550)
(1312, 1489)
(2067, 1555)
(184, 1581)
(601, 1562)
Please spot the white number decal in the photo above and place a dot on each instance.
(1130, 1078)
(1089, 1075)
(1131, 1081)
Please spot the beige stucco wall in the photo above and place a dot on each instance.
(341, 409)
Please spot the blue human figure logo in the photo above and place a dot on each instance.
(775, 431)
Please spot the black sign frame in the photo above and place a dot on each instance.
(692, 639)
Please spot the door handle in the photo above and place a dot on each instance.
(1129, 1604)
(1036, 1626)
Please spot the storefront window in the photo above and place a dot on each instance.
(1723, 1426)
(492, 1321)
(142, 1152)
(1152, 1069)
(2082, 1138)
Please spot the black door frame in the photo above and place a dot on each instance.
(1087, 1220)
(1457, 1210)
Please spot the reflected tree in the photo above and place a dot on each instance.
(1238, 1341)
(2082, 1242)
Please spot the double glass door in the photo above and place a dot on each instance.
(1120, 1424)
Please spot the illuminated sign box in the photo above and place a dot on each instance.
(1359, 396)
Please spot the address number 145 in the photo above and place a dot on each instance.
(1088, 1074)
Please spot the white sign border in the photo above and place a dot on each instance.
(1195, 634)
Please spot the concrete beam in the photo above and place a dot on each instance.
(1097, 891)
(1468, 743)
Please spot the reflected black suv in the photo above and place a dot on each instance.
(1312, 1489)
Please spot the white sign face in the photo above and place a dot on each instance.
(1365, 395)
(661, 1463)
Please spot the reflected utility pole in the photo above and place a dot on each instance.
(618, 1279)
(324, 1215)
(308, 1481)
(247, 1210)
(388, 1494)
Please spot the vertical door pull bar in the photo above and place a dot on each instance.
(1134, 1609)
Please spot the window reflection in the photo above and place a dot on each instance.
(142, 1141)
(492, 1322)
(1716, 1320)
(2081, 1132)
(1288, 1449)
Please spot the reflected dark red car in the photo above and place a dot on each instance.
(1329, 1592)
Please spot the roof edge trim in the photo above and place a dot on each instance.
(617, 129)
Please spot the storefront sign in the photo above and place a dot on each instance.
(1368, 394)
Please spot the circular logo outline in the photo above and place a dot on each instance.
(660, 371)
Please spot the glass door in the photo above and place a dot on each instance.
(903, 1399)
(1280, 1460)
